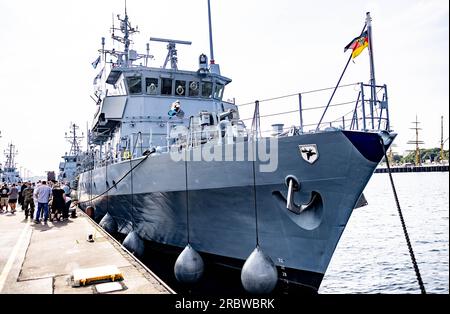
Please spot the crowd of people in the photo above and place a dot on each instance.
(40, 201)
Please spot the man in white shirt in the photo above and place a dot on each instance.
(42, 193)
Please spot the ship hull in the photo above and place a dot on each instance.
(223, 219)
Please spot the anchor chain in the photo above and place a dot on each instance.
(405, 231)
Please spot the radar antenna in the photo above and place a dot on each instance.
(171, 51)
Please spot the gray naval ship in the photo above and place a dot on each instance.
(9, 173)
(172, 164)
(70, 167)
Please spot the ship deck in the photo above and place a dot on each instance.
(41, 258)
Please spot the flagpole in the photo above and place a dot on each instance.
(334, 91)
(337, 85)
(373, 92)
(104, 65)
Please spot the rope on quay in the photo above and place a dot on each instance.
(405, 231)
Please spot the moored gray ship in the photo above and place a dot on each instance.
(9, 174)
(172, 163)
(70, 167)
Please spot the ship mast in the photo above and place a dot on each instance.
(211, 50)
(74, 140)
(10, 154)
(127, 31)
(214, 68)
(416, 142)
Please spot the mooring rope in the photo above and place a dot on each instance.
(254, 193)
(187, 196)
(132, 194)
(115, 183)
(405, 231)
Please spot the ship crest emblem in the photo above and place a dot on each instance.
(309, 152)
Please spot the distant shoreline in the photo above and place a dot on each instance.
(410, 168)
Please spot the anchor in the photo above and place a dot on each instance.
(294, 186)
(307, 215)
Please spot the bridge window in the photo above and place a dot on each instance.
(193, 88)
(207, 89)
(218, 91)
(117, 89)
(134, 84)
(166, 86)
(180, 88)
(151, 85)
(121, 88)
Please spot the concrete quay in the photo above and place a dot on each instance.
(41, 258)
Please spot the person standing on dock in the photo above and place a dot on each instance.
(28, 200)
(66, 188)
(67, 199)
(4, 197)
(35, 186)
(12, 197)
(42, 193)
(58, 202)
(21, 188)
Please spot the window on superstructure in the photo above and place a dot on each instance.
(151, 85)
(180, 88)
(218, 91)
(207, 89)
(134, 84)
(193, 89)
(117, 89)
(166, 86)
(121, 89)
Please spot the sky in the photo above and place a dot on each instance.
(268, 48)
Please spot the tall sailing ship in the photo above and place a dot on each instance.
(172, 163)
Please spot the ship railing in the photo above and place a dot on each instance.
(352, 108)
(197, 134)
(138, 143)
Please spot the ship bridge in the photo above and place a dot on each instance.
(135, 100)
(144, 94)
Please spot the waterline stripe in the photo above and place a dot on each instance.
(12, 257)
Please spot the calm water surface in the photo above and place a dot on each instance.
(372, 256)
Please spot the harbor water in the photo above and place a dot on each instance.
(372, 255)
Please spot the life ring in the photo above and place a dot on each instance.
(127, 154)
(193, 85)
(180, 90)
(152, 88)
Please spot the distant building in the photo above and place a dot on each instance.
(51, 176)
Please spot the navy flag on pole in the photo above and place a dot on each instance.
(95, 63)
(99, 75)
